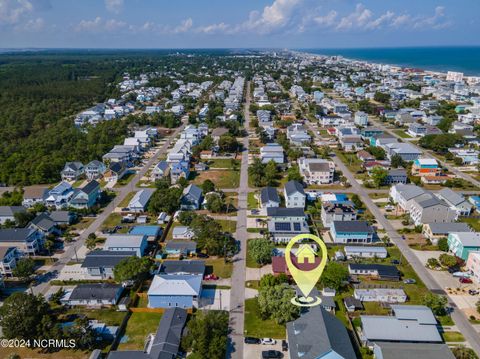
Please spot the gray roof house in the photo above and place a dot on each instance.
(7, 213)
(191, 198)
(140, 200)
(431, 210)
(294, 195)
(397, 175)
(72, 171)
(45, 224)
(412, 350)
(456, 200)
(286, 223)
(96, 294)
(269, 197)
(435, 231)
(95, 169)
(27, 240)
(101, 262)
(165, 343)
(126, 243)
(174, 267)
(161, 170)
(409, 323)
(318, 334)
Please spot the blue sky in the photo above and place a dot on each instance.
(245, 23)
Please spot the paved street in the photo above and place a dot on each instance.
(237, 293)
(459, 317)
(122, 192)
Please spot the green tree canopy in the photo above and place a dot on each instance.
(261, 250)
(437, 303)
(275, 303)
(132, 268)
(334, 275)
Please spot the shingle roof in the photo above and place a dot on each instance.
(445, 228)
(43, 221)
(269, 194)
(15, 234)
(90, 187)
(194, 191)
(108, 259)
(450, 196)
(165, 285)
(292, 187)
(9, 211)
(413, 350)
(183, 267)
(383, 270)
(285, 212)
(352, 226)
(169, 334)
(97, 291)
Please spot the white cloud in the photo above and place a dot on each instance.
(327, 20)
(12, 11)
(214, 28)
(437, 21)
(357, 19)
(380, 21)
(185, 26)
(114, 6)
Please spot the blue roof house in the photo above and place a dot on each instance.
(170, 291)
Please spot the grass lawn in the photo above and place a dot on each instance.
(254, 284)
(472, 222)
(223, 163)
(445, 320)
(350, 160)
(138, 327)
(453, 337)
(227, 226)
(107, 316)
(113, 219)
(402, 133)
(84, 223)
(256, 327)
(252, 202)
(221, 178)
(125, 180)
(219, 267)
(126, 200)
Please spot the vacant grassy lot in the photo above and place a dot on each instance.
(402, 133)
(113, 219)
(256, 327)
(453, 337)
(126, 200)
(138, 327)
(221, 178)
(224, 163)
(252, 202)
(219, 267)
(125, 180)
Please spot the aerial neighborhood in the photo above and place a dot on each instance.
(175, 234)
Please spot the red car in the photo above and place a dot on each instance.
(465, 280)
(210, 277)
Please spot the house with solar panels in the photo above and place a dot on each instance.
(286, 223)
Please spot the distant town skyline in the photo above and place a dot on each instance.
(239, 24)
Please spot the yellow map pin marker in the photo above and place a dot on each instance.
(306, 279)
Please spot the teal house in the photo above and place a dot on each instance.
(462, 243)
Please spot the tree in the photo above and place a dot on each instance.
(443, 244)
(165, 200)
(209, 236)
(334, 275)
(186, 217)
(397, 161)
(270, 173)
(379, 175)
(433, 263)
(447, 260)
(477, 305)
(23, 218)
(437, 303)
(261, 250)
(55, 297)
(293, 174)
(440, 143)
(21, 315)
(215, 203)
(24, 269)
(82, 332)
(274, 302)
(381, 97)
(207, 335)
(270, 280)
(357, 202)
(462, 352)
(49, 244)
(132, 268)
(228, 143)
(208, 186)
(257, 172)
(91, 241)
(377, 152)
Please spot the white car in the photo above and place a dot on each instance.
(268, 341)
(461, 274)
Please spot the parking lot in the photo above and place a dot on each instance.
(254, 351)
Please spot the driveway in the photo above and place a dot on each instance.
(254, 351)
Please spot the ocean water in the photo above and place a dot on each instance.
(443, 59)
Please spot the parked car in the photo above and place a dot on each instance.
(252, 340)
(409, 281)
(394, 261)
(461, 274)
(268, 341)
(473, 292)
(271, 354)
(465, 280)
(284, 345)
(211, 277)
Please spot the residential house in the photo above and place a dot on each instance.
(368, 132)
(60, 195)
(8, 260)
(33, 195)
(352, 304)
(28, 240)
(94, 295)
(365, 252)
(62, 218)
(384, 295)
(431, 210)
(263, 115)
(425, 167)
(294, 195)
(44, 224)
(473, 265)
(152, 233)
(435, 231)
(361, 119)
(100, 263)
(182, 232)
(351, 143)
(455, 200)
(318, 334)
(337, 212)
(72, 171)
(316, 171)
(126, 243)
(115, 172)
(404, 194)
(386, 350)
(417, 130)
(165, 343)
(406, 151)
(95, 170)
(297, 134)
(184, 267)
(161, 170)
(87, 196)
(140, 200)
(462, 243)
(351, 232)
(377, 271)
(179, 170)
(364, 156)
(409, 323)
(272, 152)
(269, 198)
(180, 248)
(7, 213)
(286, 223)
(171, 291)
(191, 198)
(396, 176)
